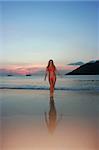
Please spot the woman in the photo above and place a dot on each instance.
(51, 71)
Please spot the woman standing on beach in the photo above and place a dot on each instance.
(51, 71)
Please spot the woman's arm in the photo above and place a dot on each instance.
(45, 74)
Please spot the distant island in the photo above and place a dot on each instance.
(90, 68)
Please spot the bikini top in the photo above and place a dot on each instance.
(51, 69)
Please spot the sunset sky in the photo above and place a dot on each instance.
(33, 32)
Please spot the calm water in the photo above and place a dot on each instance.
(63, 83)
(29, 120)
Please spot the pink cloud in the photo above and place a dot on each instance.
(29, 69)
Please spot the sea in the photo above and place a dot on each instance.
(30, 120)
(64, 82)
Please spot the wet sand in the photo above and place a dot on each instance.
(30, 121)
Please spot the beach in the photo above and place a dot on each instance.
(49, 48)
(72, 120)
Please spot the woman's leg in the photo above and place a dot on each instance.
(52, 85)
(54, 81)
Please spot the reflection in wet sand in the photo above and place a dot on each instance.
(25, 128)
(51, 121)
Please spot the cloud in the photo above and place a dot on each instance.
(23, 70)
(79, 63)
(18, 71)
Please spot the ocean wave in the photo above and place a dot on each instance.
(47, 88)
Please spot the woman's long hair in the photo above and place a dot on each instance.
(52, 63)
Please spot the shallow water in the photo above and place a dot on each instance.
(67, 83)
(30, 121)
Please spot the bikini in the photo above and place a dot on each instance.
(51, 73)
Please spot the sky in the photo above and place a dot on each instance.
(34, 32)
